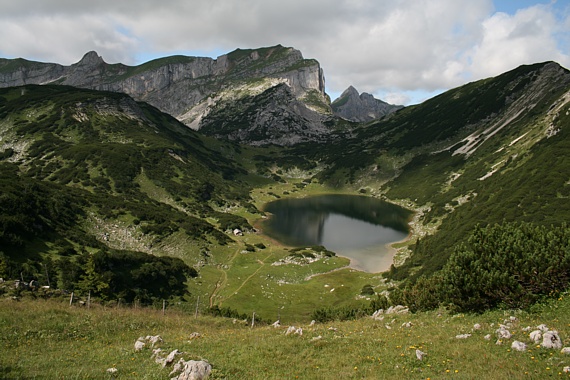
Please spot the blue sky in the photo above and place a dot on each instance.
(402, 51)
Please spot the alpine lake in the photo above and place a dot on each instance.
(359, 228)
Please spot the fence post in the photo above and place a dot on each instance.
(196, 312)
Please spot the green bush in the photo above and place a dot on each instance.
(510, 265)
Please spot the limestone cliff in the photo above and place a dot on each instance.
(189, 88)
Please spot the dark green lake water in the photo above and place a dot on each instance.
(357, 227)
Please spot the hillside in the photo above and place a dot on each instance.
(93, 181)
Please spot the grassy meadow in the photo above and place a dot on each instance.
(48, 339)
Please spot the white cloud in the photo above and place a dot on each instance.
(395, 46)
(528, 36)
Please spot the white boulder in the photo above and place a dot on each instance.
(518, 346)
(191, 370)
(551, 339)
(139, 345)
(536, 336)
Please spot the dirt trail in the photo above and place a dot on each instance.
(224, 277)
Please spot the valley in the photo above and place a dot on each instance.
(111, 195)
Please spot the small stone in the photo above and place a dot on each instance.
(536, 336)
(477, 326)
(565, 351)
(487, 337)
(112, 370)
(170, 358)
(518, 346)
(194, 335)
(420, 354)
(462, 336)
(566, 369)
(503, 333)
(542, 328)
(139, 345)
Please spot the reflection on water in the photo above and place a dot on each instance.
(356, 227)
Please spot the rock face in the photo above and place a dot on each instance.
(190, 88)
(361, 107)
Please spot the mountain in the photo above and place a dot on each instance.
(192, 88)
(353, 106)
(85, 171)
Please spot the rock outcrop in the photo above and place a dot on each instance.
(363, 107)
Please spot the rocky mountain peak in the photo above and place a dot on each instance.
(361, 107)
(90, 58)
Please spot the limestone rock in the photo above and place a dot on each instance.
(191, 370)
(536, 336)
(551, 339)
(194, 335)
(503, 333)
(294, 330)
(420, 354)
(518, 346)
(139, 345)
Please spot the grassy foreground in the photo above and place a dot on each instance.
(50, 340)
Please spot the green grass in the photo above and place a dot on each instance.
(51, 340)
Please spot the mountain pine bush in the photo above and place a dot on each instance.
(510, 265)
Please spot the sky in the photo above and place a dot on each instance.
(401, 51)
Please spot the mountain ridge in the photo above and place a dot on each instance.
(190, 87)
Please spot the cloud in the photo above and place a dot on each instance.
(397, 47)
(528, 36)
